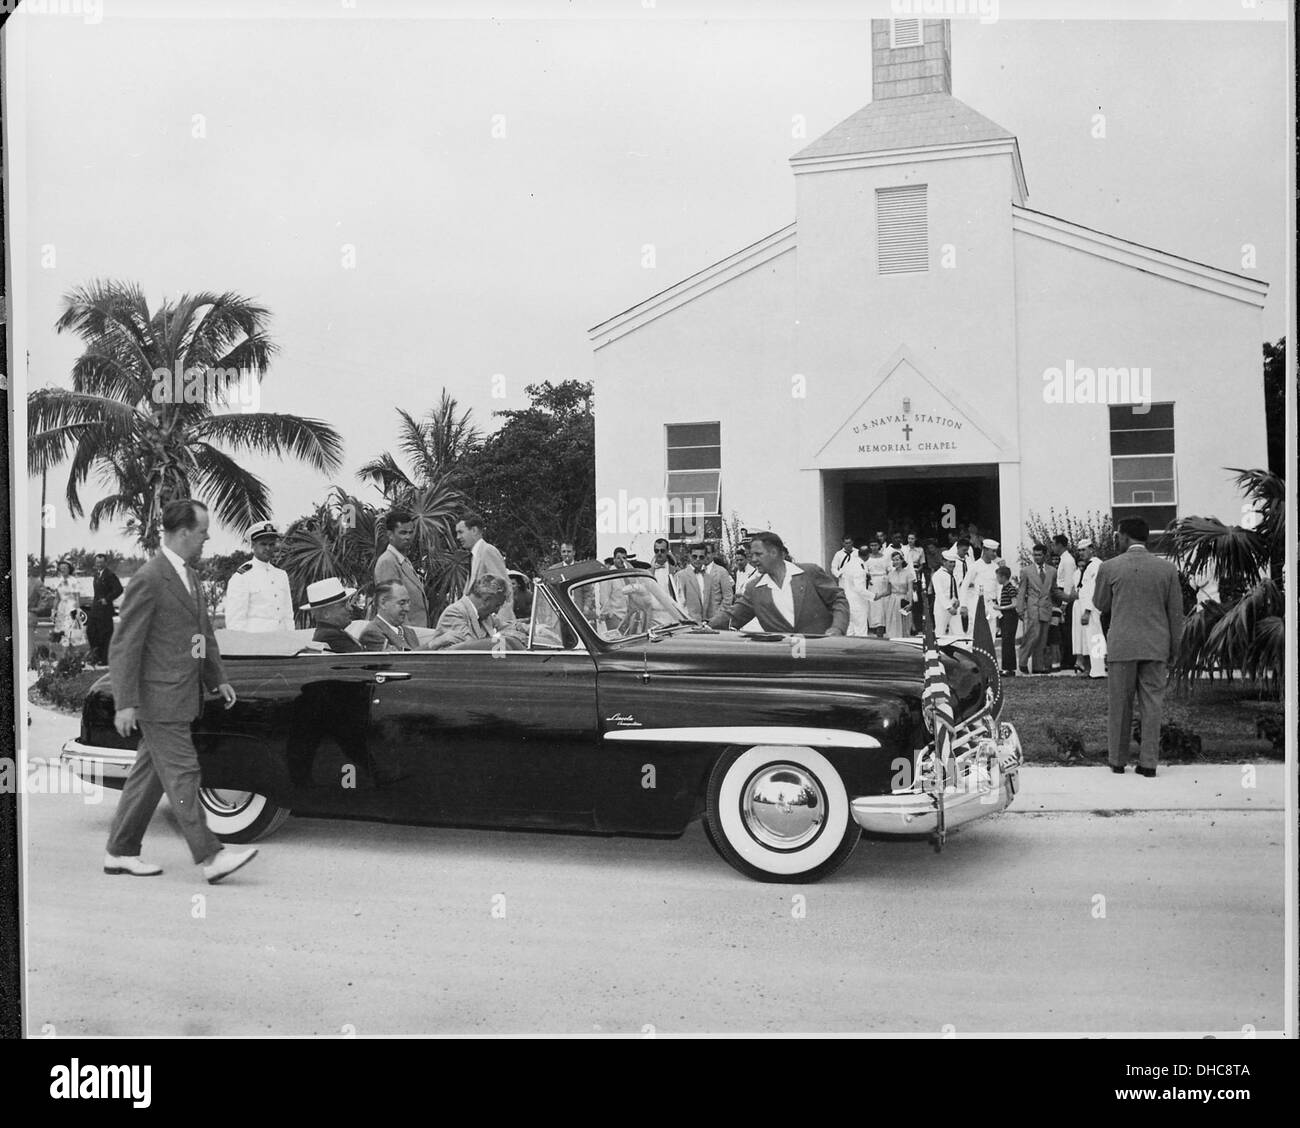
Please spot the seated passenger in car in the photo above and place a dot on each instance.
(473, 616)
(388, 629)
(327, 600)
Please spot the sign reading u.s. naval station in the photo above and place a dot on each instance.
(917, 433)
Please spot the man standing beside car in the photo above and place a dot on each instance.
(788, 598)
(163, 654)
(99, 620)
(393, 564)
(257, 595)
(484, 559)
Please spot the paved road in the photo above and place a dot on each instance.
(343, 927)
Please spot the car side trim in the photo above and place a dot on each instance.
(749, 735)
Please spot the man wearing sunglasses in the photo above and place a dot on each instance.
(700, 588)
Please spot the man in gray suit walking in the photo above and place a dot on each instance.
(1141, 607)
(162, 655)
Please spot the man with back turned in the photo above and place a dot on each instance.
(1141, 606)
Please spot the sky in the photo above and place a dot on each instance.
(498, 180)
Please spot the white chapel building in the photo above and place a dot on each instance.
(921, 344)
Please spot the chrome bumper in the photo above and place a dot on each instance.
(98, 765)
(987, 777)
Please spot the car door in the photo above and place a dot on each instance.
(497, 736)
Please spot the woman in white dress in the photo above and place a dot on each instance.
(896, 602)
(69, 601)
(1089, 642)
(853, 579)
(877, 571)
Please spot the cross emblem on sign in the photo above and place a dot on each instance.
(907, 432)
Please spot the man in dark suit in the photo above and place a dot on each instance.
(1141, 606)
(163, 655)
(327, 600)
(788, 598)
(388, 629)
(99, 620)
(1037, 582)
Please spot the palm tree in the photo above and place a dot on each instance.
(436, 448)
(145, 409)
(1244, 629)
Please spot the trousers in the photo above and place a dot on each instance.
(166, 763)
(1148, 679)
(1033, 646)
(1010, 621)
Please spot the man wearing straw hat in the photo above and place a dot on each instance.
(327, 602)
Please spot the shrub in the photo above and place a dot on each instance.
(1093, 525)
(1176, 743)
(1070, 748)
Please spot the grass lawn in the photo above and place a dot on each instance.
(68, 693)
(1222, 716)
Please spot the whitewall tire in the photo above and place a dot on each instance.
(779, 814)
(240, 816)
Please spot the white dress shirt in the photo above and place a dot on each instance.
(1067, 574)
(182, 569)
(783, 594)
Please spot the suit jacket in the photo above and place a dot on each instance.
(339, 641)
(163, 651)
(487, 561)
(728, 585)
(715, 600)
(819, 605)
(390, 567)
(108, 588)
(461, 619)
(1035, 597)
(378, 635)
(1141, 605)
(674, 587)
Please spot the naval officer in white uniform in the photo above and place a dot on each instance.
(257, 596)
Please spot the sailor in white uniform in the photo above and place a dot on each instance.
(257, 596)
(947, 597)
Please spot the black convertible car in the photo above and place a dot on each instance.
(608, 711)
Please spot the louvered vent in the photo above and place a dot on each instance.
(905, 33)
(902, 238)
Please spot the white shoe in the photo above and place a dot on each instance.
(134, 866)
(226, 862)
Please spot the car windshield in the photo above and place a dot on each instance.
(626, 605)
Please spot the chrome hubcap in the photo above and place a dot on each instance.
(224, 801)
(783, 806)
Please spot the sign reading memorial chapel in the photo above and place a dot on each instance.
(910, 419)
(903, 434)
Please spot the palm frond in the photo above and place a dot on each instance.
(1202, 545)
(311, 440)
(384, 473)
(238, 497)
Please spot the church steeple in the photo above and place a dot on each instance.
(908, 57)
